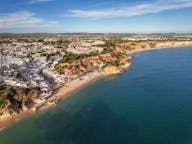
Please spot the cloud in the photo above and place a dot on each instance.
(23, 19)
(39, 1)
(139, 9)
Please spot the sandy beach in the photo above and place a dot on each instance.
(71, 87)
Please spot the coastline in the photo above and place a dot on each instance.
(61, 93)
(67, 90)
(71, 87)
(158, 48)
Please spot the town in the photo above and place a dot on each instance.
(30, 62)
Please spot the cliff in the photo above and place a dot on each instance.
(15, 100)
(111, 70)
(82, 65)
(132, 46)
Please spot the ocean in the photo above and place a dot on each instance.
(151, 103)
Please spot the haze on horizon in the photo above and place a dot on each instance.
(122, 16)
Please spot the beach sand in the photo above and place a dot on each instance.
(69, 88)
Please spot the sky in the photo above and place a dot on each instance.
(96, 16)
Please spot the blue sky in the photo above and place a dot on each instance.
(130, 16)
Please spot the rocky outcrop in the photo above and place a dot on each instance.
(107, 57)
(125, 66)
(111, 70)
(77, 68)
(81, 66)
(16, 100)
(103, 57)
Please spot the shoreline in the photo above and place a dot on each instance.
(67, 90)
(72, 87)
(61, 93)
(158, 48)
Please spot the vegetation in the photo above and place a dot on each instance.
(16, 95)
(152, 45)
(70, 57)
(50, 54)
(5, 41)
(6, 92)
(117, 55)
(114, 63)
(19, 75)
(108, 44)
(128, 48)
(58, 43)
(106, 50)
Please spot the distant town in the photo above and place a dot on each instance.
(42, 63)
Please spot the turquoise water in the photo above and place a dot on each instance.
(149, 104)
